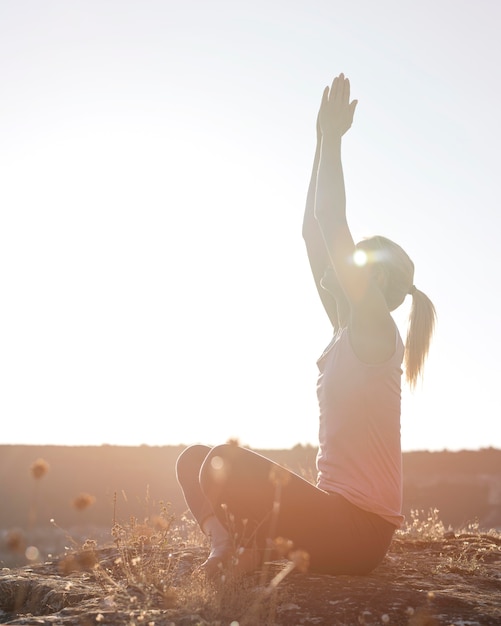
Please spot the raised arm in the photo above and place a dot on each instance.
(372, 330)
(329, 290)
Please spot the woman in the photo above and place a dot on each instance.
(346, 522)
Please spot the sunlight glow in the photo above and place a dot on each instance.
(360, 258)
(143, 147)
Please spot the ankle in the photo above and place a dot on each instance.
(218, 536)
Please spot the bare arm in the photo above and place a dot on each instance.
(329, 290)
(372, 330)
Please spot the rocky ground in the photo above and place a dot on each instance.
(453, 579)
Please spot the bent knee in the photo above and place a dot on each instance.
(190, 460)
(216, 467)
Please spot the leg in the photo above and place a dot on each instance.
(236, 482)
(339, 537)
(188, 471)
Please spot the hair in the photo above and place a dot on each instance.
(399, 272)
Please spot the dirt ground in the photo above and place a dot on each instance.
(454, 580)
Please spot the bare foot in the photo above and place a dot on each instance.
(238, 563)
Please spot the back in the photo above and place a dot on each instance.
(359, 453)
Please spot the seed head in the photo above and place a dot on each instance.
(15, 541)
(301, 560)
(83, 501)
(282, 546)
(39, 468)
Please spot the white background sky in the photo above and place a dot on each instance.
(154, 162)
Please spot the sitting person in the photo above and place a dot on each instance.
(346, 521)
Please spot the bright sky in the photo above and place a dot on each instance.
(155, 157)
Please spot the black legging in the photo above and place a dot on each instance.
(339, 537)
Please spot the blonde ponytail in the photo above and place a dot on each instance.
(399, 269)
(422, 319)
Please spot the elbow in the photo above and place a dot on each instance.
(322, 210)
(323, 218)
(309, 228)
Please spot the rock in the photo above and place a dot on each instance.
(422, 582)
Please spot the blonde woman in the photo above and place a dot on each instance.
(346, 521)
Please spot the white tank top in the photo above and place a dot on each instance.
(359, 453)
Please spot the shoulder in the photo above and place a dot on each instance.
(375, 343)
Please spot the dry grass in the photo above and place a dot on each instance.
(151, 567)
(154, 565)
(150, 573)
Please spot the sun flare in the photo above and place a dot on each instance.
(360, 258)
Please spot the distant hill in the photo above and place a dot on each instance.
(131, 481)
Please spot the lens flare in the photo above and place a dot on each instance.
(217, 463)
(218, 469)
(360, 258)
(32, 553)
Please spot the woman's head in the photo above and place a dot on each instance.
(394, 263)
(396, 269)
